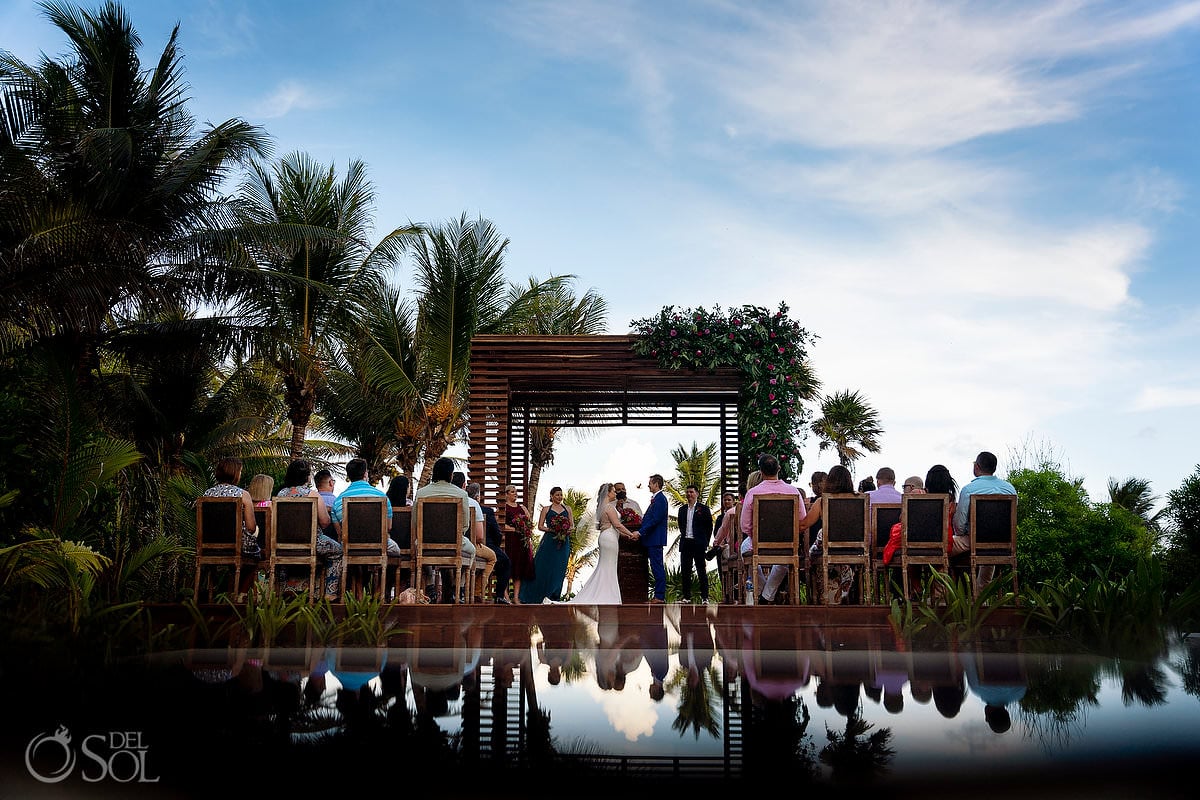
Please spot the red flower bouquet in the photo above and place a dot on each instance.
(560, 528)
(631, 519)
(520, 524)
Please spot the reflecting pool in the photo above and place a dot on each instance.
(494, 701)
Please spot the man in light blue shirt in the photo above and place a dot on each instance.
(985, 482)
(360, 486)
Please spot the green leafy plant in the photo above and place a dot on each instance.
(771, 350)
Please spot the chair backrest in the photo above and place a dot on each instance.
(993, 521)
(845, 523)
(402, 522)
(294, 521)
(262, 518)
(438, 521)
(365, 522)
(218, 525)
(883, 517)
(775, 522)
(925, 520)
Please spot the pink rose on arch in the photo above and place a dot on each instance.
(673, 331)
(771, 396)
(731, 337)
(753, 434)
(699, 352)
(781, 348)
(774, 410)
(773, 381)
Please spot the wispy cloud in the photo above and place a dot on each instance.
(1152, 398)
(287, 97)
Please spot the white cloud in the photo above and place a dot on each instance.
(289, 96)
(1152, 398)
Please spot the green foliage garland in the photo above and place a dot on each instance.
(769, 348)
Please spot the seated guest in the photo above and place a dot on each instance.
(985, 482)
(296, 484)
(837, 481)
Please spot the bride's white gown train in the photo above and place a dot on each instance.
(602, 587)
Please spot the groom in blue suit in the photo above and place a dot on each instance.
(654, 536)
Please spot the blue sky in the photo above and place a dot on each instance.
(985, 211)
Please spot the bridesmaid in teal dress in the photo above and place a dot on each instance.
(550, 560)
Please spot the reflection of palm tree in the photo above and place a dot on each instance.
(1189, 666)
(776, 735)
(699, 701)
(1145, 683)
(855, 760)
(1059, 691)
(846, 420)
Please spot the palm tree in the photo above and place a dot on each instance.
(701, 467)
(1134, 496)
(847, 420)
(107, 185)
(584, 548)
(462, 292)
(558, 313)
(304, 242)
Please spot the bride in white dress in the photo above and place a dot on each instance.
(601, 587)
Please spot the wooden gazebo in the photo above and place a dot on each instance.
(518, 382)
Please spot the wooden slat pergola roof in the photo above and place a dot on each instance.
(582, 381)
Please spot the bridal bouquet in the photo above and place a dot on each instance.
(560, 528)
(631, 519)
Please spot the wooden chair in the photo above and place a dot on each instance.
(292, 533)
(993, 529)
(436, 537)
(365, 531)
(219, 541)
(262, 518)
(733, 569)
(402, 535)
(471, 575)
(845, 539)
(883, 517)
(924, 519)
(775, 529)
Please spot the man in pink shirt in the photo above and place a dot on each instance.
(771, 484)
(887, 492)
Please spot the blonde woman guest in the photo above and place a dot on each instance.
(261, 487)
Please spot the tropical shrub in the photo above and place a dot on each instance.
(1061, 533)
(1181, 543)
